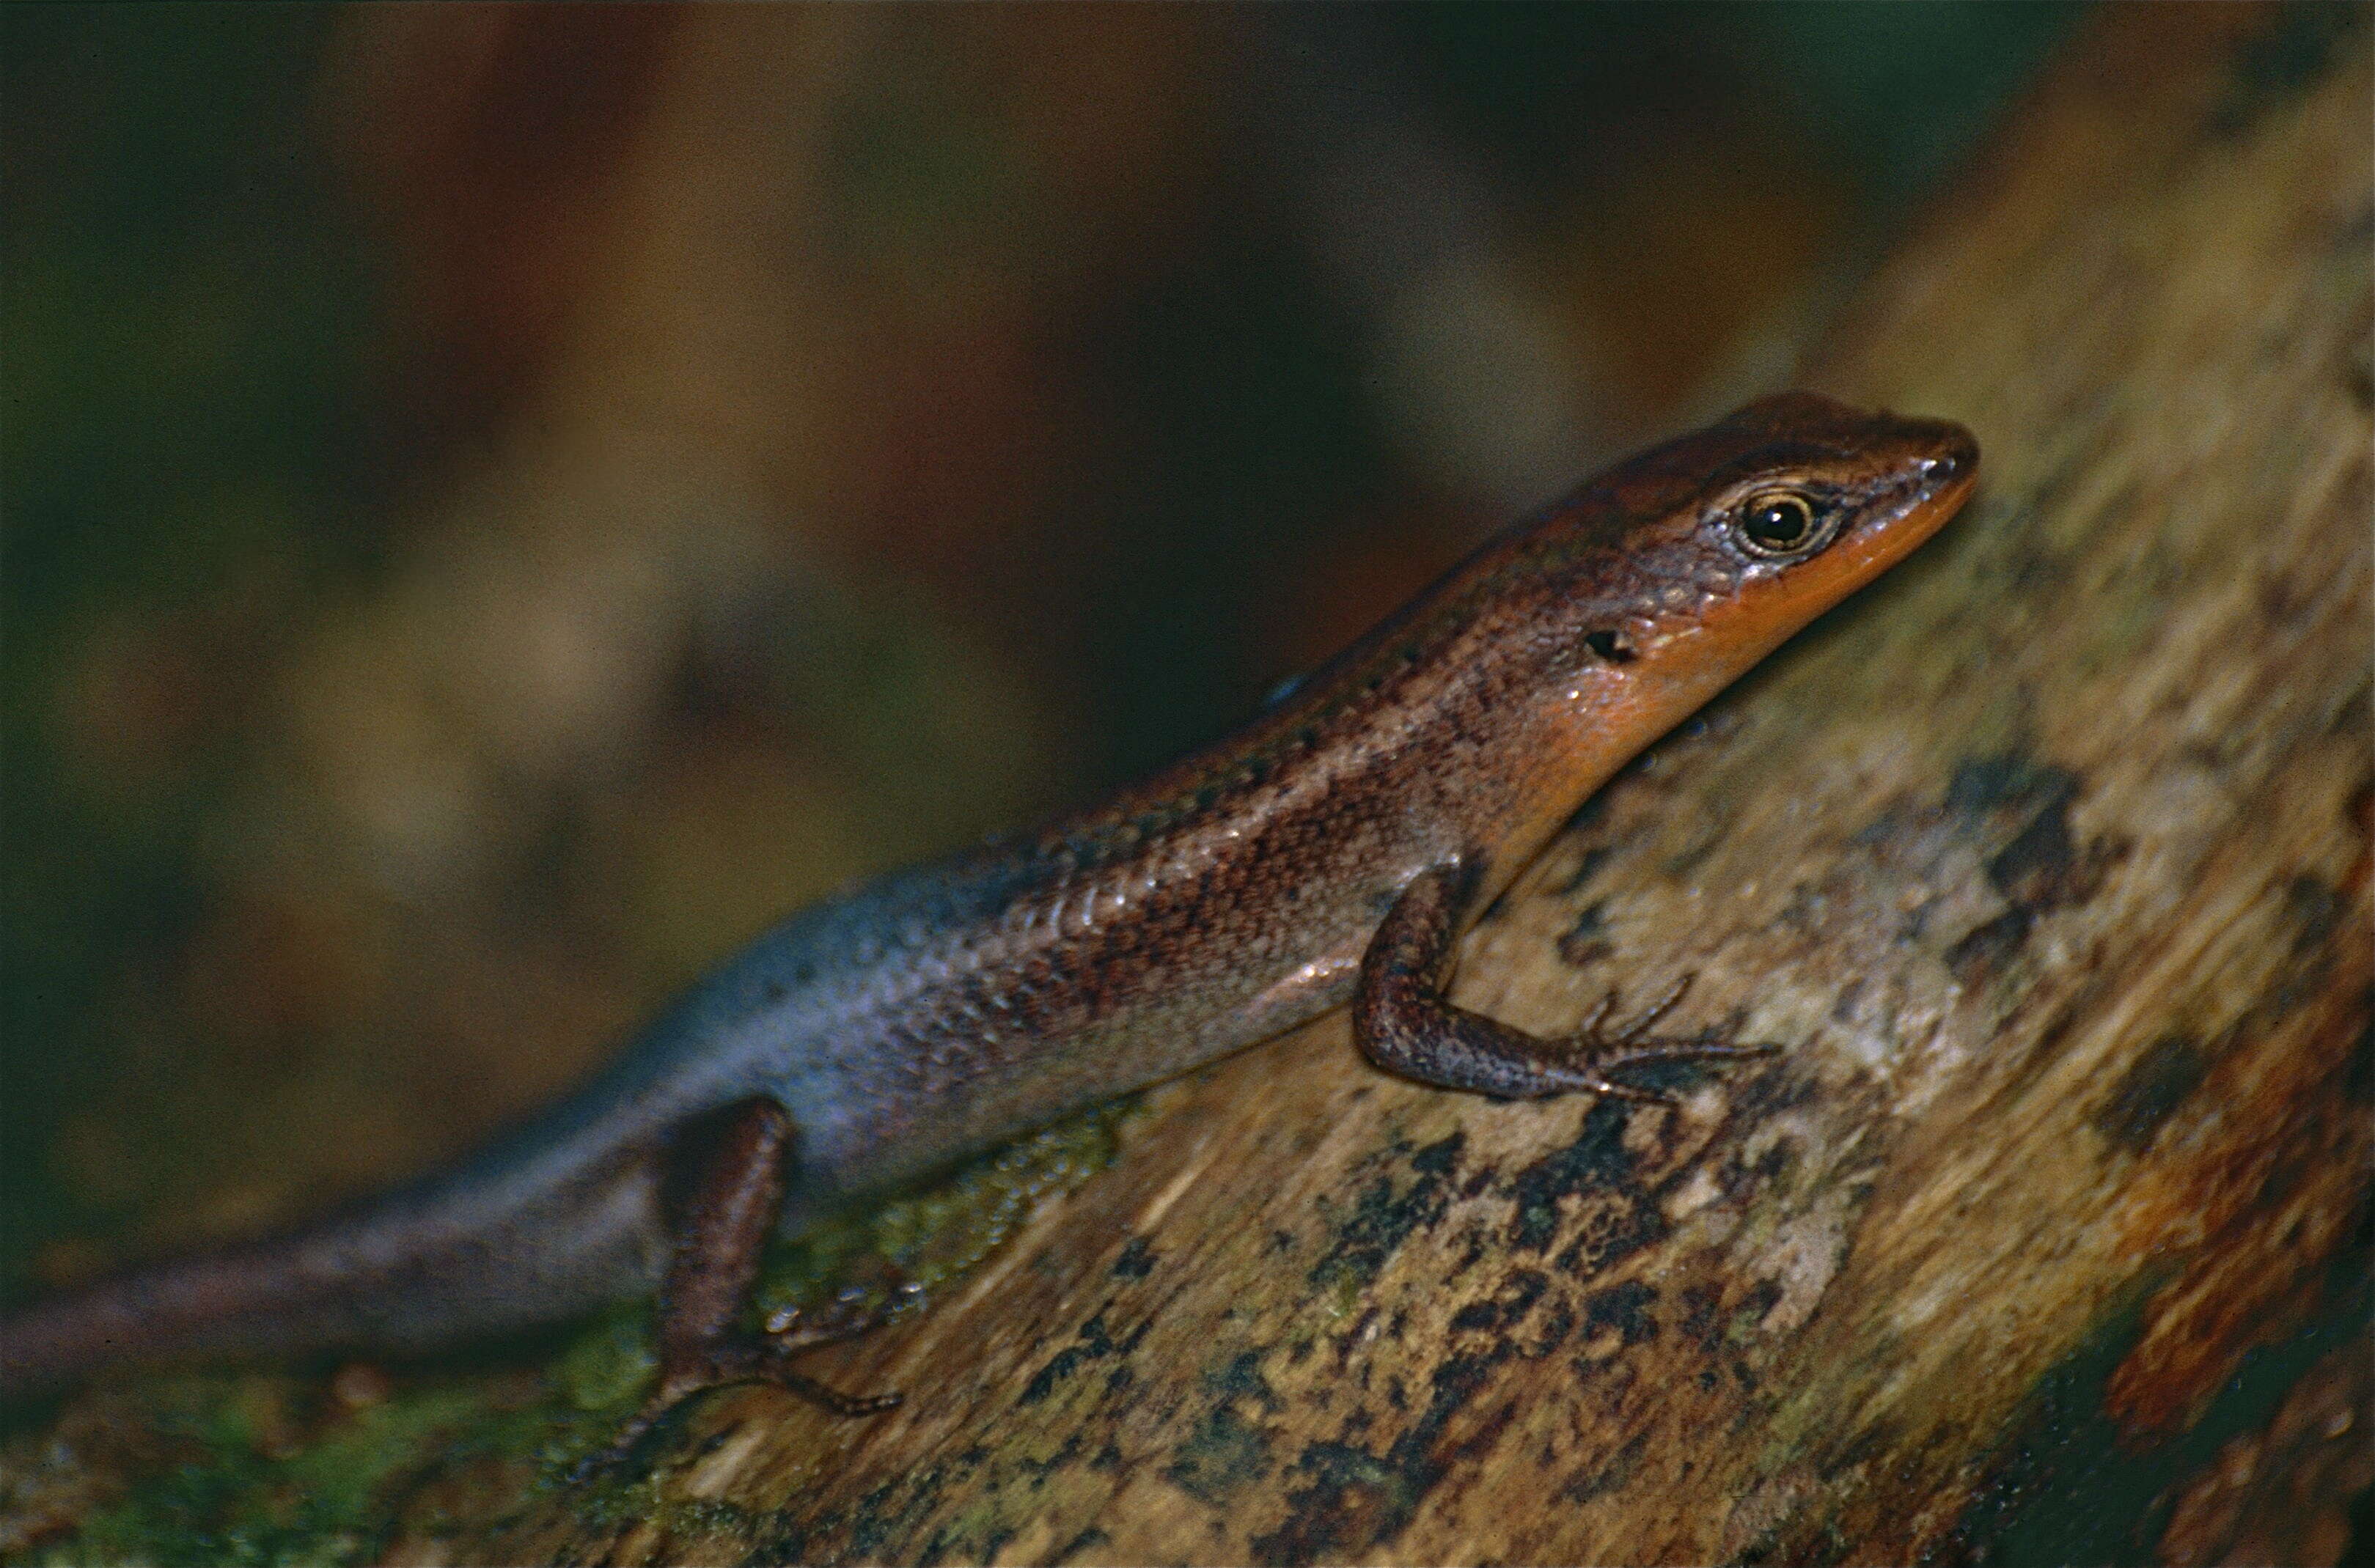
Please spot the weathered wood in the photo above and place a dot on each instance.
(2048, 858)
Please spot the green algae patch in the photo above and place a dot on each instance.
(270, 1468)
(251, 1489)
(940, 1232)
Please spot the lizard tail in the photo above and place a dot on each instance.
(442, 1261)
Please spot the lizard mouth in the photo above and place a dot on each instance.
(1934, 489)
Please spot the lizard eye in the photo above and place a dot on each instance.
(1778, 524)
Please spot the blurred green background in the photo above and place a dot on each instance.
(501, 502)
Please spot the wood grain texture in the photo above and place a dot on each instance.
(2048, 858)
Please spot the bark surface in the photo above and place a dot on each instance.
(2047, 859)
(2046, 1237)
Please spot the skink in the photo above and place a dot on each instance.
(1331, 851)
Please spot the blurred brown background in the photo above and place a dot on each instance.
(500, 503)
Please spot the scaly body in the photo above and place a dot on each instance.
(1339, 841)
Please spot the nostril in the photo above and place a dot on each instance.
(1948, 466)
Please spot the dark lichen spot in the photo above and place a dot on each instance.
(1756, 1301)
(1476, 1317)
(2043, 867)
(1702, 1315)
(1242, 1379)
(1586, 942)
(1354, 1499)
(1087, 1540)
(1611, 1232)
(1440, 1157)
(1624, 1307)
(2035, 868)
(1381, 1220)
(1843, 1010)
(1520, 1293)
(2154, 1086)
(2007, 779)
(1892, 822)
(1986, 950)
(1357, 1500)
(1096, 1342)
(1585, 869)
(1558, 1323)
(1611, 1476)
(1596, 1160)
(1776, 1164)
(2315, 910)
(1222, 1454)
(1060, 1366)
(1137, 1260)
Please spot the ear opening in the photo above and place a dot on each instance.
(1613, 647)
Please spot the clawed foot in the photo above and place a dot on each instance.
(854, 1312)
(1597, 1054)
(762, 1358)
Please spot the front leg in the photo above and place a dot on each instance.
(1405, 1026)
(730, 1170)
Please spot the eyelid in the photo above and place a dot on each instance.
(1827, 503)
(1726, 505)
(1818, 493)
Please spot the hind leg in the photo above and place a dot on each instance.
(732, 1167)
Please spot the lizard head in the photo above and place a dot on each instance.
(1699, 556)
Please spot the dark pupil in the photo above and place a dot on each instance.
(1780, 523)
